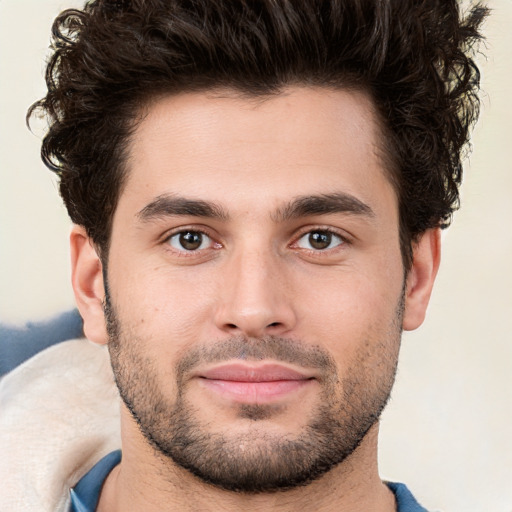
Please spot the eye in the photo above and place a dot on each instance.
(319, 240)
(189, 241)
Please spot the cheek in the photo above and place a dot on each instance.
(164, 309)
(354, 314)
(355, 301)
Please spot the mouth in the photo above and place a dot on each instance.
(249, 384)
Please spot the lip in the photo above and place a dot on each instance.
(253, 384)
(247, 373)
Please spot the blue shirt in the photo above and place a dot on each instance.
(86, 493)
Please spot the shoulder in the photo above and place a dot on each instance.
(59, 415)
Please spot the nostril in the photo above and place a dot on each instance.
(274, 324)
(232, 326)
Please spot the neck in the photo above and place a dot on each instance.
(146, 481)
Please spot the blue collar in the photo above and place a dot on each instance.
(86, 493)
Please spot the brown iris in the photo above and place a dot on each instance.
(191, 240)
(320, 239)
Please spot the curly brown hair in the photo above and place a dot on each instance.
(413, 57)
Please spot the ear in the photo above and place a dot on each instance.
(421, 277)
(87, 281)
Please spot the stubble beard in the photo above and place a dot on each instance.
(256, 461)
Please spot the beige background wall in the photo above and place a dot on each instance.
(448, 430)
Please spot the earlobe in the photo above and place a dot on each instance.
(421, 277)
(87, 281)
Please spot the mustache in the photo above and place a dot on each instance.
(240, 348)
(258, 349)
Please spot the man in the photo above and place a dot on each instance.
(257, 191)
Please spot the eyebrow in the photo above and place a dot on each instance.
(168, 206)
(323, 204)
(303, 206)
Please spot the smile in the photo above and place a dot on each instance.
(249, 384)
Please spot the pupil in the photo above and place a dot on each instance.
(320, 240)
(191, 240)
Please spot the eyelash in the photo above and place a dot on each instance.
(345, 240)
(184, 253)
(216, 245)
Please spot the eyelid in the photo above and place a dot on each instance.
(346, 238)
(175, 241)
(342, 234)
(189, 228)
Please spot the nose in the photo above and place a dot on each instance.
(256, 296)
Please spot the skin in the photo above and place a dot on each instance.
(255, 275)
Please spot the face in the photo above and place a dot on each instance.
(256, 284)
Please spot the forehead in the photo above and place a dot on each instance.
(222, 146)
